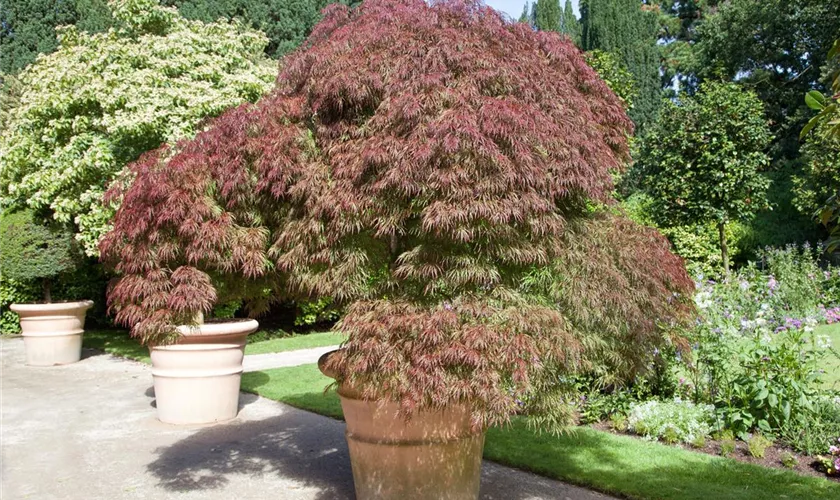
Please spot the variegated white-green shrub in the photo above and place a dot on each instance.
(101, 100)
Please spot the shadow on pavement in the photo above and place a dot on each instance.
(310, 451)
(296, 445)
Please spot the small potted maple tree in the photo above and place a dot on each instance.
(446, 175)
(33, 249)
(180, 244)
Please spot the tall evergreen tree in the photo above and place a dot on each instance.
(625, 29)
(569, 23)
(548, 15)
(525, 17)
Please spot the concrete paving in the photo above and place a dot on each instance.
(256, 362)
(88, 431)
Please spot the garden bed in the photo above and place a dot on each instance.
(773, 455)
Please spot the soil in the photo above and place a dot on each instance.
(807, 465)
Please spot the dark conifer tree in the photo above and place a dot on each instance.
(569, 23)
(548, 15)
(625, 29)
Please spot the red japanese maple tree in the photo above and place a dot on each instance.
(443, 172)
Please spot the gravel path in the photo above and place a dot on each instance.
(256, 362)
(88, 431)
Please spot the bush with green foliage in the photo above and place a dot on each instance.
(757, 445)
(824, 149)
(698, 244)
(615, 74)
(101, 100)
(15, 292)
(701, 161)
(673, 421)
(31, 250)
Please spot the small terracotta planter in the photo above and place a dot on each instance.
(197, 380)
(433, 456)
(52, 333)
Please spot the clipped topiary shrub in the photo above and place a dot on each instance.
(31, 250)
(443, 173)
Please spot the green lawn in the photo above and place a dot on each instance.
(118, 343)
(619, 465)
(832, 369)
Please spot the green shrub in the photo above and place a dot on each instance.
(618, 422)
(32, 250)
(757, 445)
(698, 244)
(316, 311)
(789, 460)
(14, 292)
(673, 421)
(727, 442)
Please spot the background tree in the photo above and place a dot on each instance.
(776, 48)
(525, 17)
(702, 159)
(461, 209)
(286, 22)
(616, 76)
(27, 27)
(821, 185)
(625, 29)
(10, 92)
(569, 23)
(548, 15)
(101, 100)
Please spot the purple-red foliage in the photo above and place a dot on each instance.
(427, 164)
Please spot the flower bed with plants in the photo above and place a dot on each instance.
(755, 384)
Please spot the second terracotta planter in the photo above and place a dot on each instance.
(432, 456)
(197, 380)
(52, 333)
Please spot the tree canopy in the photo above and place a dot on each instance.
(33, 250)
(702, 158)
(101, 100)
(408, 165)
(627, 29)
(28, 27)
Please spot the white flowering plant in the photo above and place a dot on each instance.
(673, 421)
(101, 100)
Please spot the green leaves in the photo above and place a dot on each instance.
(703, 158)
(101, 100)
(30, 249)
(815, 100)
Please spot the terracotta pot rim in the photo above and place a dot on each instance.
(225, 327)
(66, 306)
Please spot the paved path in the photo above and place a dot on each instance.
(88, 431)
(256, 362)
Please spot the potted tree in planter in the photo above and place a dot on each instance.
(188, 235)
(447, 176)
(32, 250)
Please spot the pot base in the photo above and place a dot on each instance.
(197, 381)
(52, 333)
(433, 456)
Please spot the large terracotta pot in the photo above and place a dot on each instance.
(197, 380)
(52, 333)
(432, 456)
